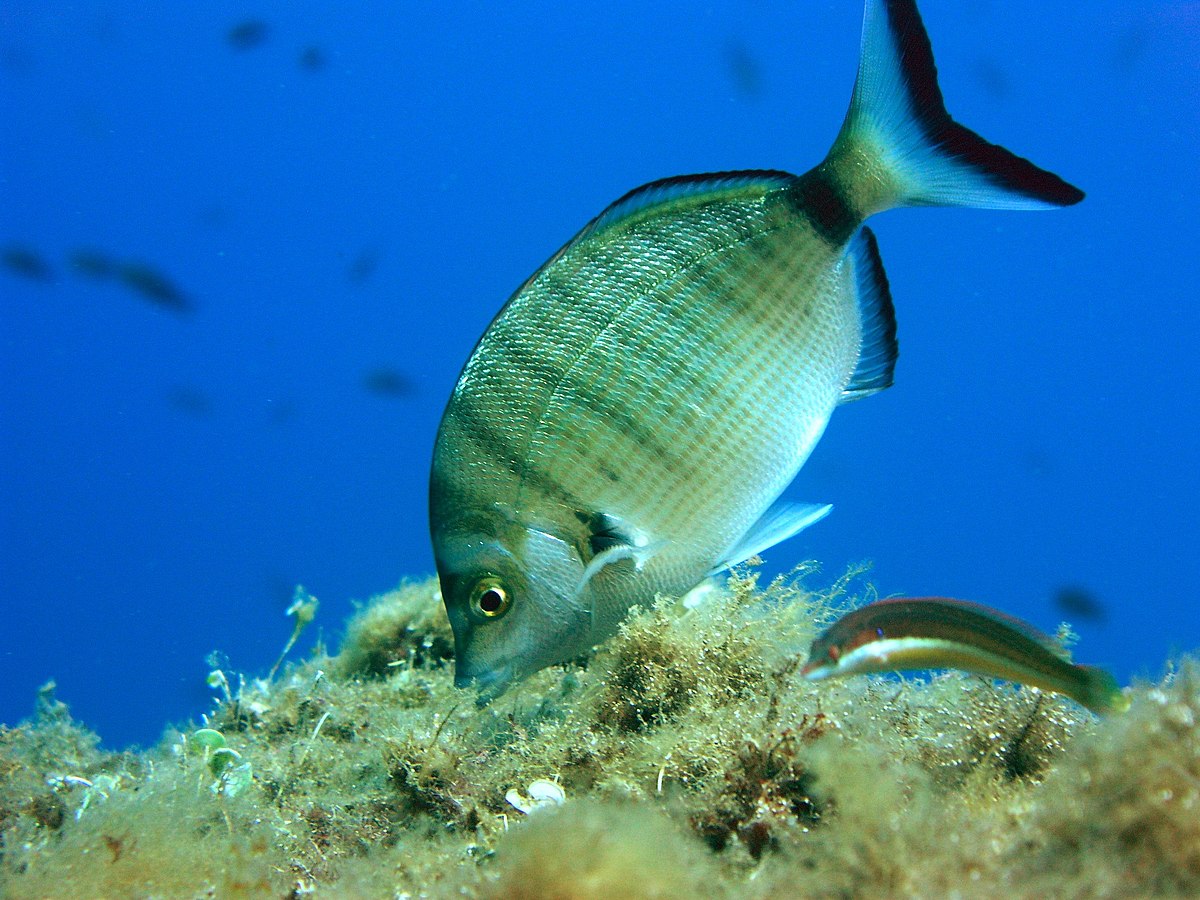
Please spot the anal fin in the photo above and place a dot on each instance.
(780, 522)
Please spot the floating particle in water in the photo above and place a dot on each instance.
(1040, 462)
(248, 34)
(214, 215)
(281, 412)
(388, 382)
(312, 59)
(26, 262)
(191, 401)
(15, 60)
(363, 267)
(1080, 603)
(743, 68)
(992, 78)
(1129, 47)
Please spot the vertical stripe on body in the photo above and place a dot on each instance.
(711, 350)
(682, 364)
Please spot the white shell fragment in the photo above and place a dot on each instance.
(542, 792)
(701, 593)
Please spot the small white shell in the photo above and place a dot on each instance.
(520, 801)
(701, 593)
(542, 792)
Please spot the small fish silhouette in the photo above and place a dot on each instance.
(26, 262)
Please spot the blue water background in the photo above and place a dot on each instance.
(168, 478)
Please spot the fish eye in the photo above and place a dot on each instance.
(835, 652)
(490, 599)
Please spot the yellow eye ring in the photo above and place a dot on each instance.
(490, 599)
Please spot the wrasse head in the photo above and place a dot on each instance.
(838, 651)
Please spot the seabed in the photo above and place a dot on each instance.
(686, 757)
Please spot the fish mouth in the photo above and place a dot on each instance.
(491, 683)
(815, 671)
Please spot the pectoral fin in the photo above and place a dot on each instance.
(780, 522)
(614, 541)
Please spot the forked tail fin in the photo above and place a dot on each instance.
(899, 147)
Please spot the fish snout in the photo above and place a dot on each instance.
(491, 682)
(817, 670)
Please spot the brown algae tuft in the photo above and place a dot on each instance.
(685, 756)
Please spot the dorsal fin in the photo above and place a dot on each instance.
(714, 185)
(670, 190)
(877, 357)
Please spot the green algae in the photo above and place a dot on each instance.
(693, 759)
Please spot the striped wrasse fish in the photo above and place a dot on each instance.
(910, 633)
(628, 421)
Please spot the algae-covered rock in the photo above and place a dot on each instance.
(596, 851)
(684, 757)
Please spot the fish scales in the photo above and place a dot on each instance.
(626, 424)
(662, 372)
(696, 359)
(685, 407)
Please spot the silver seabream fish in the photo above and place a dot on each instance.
(627, 423)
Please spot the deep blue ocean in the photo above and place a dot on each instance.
(247, 249)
